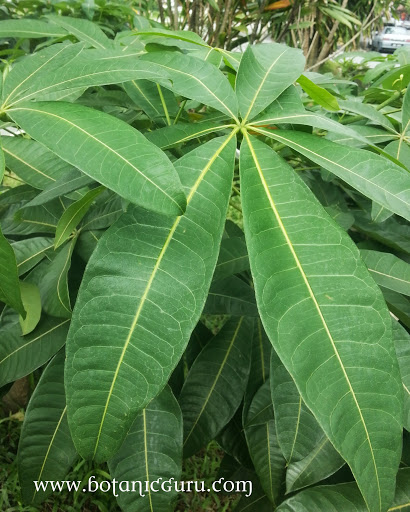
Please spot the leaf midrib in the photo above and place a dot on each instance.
(312, 295)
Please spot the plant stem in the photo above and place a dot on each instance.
(181, 108)
(164, 105)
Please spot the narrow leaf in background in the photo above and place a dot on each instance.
(9, 282)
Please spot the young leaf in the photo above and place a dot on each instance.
(30, 296)
(263, 74)
(372, 175)
(321, 96)
(9, 282)
(73, 215)
(215, 384)
(108, 150)
(159, 270)
(263, 445)
(21, 355)
(53, 452)
(309, 291)
(152, 450)
(388, 270)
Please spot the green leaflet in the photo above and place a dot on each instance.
(345, 497)
(109, 150)
(30, 296)
(369, 112)
(318, 94)
(263, 74)
(194, 79)
(388, 270)
(73, 215)
(372, 175)
(299, 274)
(2, 159)
(33, 163)
(83, 30)
(30, 29)
(215, 385)
(21, 355)
(30, 251)
(157, 292)
(402, 343)
(9, 282)
(46, 450)
(151, 450)
(233, 258)
(263, 445)
(231, 296)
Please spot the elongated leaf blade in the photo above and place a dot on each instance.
(152, 450)
(194, 79)
(309, 292)
(73, 216)
(263, 74)
(108, 150)
(53, 452)
(21, 355)
(9, 282)
(30, 295)
(388, 270)
(215, 384)
(263, 445)
(83, 30)
(29, 29)
(320, 95)
(174, 135)
(161, 277)
(33, 163)
(30, 251)
(372, 175)
(402, 343)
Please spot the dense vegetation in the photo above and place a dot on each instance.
(202, 246)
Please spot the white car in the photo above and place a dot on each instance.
(391, 38)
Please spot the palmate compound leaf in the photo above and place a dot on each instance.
(140, 298)
(325, 318)
(46, 450)
(108, 149)
(151, 450)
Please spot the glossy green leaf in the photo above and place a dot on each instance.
(284, 227)
(402, 343)
(30, 296)
(145, 95)
(345, 497)
(318, 94)
(29, 29)
(215, 384)
(388, 270)
(30, 251)
(2, 160)
(46, 451)
(152, 450)
(21, 355)
(9, 283)
(263, 445)
(83, 30)
(372, 175)
(231, 296)
(33, 163)
(174, 135)
(368, 111)
(398, 305)
(233, 258)
(194, 79)
(69, 182)
(109, 150)
(263, 74)
(159, 288)
(73, 215)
